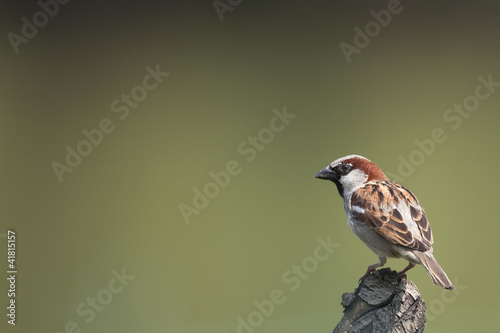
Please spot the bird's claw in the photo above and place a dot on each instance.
(368, 272)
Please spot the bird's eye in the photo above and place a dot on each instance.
(345, 168)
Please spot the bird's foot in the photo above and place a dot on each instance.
(402, 274)
(371, 268)
(368, 272)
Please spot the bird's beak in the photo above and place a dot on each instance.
(327, 173)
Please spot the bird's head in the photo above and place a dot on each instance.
(350, 173)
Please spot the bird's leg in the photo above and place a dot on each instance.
(407, 268)
(371, 268)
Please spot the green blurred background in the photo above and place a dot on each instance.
(119, 209)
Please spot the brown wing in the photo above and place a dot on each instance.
(394, 213)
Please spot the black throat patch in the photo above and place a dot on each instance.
(340, 188)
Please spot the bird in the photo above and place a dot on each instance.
(386, 216)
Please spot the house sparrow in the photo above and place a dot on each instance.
(387, 217)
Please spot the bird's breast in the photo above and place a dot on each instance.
(378, 244)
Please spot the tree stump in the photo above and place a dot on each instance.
(383, 302)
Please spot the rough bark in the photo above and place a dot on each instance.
(383, 302)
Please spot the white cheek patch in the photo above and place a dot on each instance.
(353, 180)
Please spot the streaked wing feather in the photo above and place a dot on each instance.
(386, 216)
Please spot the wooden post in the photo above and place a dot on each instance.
(383, 302)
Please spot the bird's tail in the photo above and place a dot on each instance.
(437, 274)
